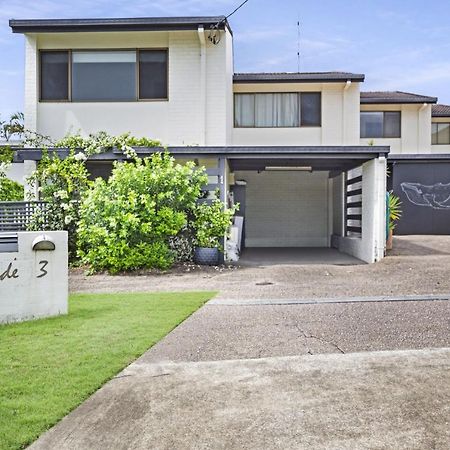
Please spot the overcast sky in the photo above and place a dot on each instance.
(398, 44)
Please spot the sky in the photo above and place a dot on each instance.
(398, 44)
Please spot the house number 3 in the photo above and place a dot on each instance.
(43, 272)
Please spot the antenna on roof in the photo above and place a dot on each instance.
(214, 34)
(298, 45)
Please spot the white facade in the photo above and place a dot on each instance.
(415, 128)
(198, 109)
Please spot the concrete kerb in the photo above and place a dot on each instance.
(318, 301)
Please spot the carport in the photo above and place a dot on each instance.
(309, 205)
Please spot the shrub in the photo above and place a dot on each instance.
(9, 190)
(211, 222)
(128, 221)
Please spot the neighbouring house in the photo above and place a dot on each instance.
(305, 154)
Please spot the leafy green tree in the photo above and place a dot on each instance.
(14, 126)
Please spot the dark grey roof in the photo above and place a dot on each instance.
(440, 111)
(125, 24)
(294, 77)
(394, 97)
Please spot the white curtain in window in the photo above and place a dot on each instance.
(276, 110)
(286, 110)
(244, 114)
(264, 110)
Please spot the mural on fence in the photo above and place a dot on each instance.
(436, 196)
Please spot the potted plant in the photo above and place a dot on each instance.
(211, 223)
(394, 213)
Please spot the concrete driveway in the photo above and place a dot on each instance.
(395, 400)
(219, 331)
(418, 265)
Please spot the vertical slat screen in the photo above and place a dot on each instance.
(353, 206)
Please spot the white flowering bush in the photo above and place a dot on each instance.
(61, 184)
(101, 142)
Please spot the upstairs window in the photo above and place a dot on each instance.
(277, 110)
(54, 76)
(103, 76)
(379, 124)
(440, 133)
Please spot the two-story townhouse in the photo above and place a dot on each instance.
(305, 154)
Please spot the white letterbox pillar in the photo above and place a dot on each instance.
(34, 279)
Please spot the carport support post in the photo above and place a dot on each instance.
(223, 184)
(374, 209)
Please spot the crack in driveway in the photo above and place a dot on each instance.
(317, 338)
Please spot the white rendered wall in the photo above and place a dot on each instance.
(176, 121)
(340, 117)
(34, 284)
(15, 172)
(286, 209)
(371, 245)
(415, 129)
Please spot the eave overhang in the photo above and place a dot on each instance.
(119, 24)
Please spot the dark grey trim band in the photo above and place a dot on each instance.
(432, 157)
(305, 77)
(234, 152)
(123, 24)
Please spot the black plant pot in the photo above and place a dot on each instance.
(206, 256)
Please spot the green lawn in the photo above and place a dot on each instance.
(49, 366)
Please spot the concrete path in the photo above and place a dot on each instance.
(384, 400)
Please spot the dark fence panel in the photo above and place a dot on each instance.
(424, 190)
(15, 216)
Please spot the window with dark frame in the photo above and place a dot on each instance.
(54, 75)
(277, 110)
(152, 74)
(380, 124)
(103, 75)
(440, 133)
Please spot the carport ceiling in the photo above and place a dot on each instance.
(328, 163)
